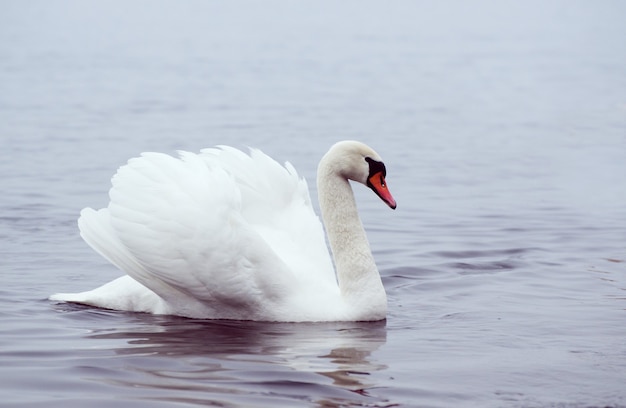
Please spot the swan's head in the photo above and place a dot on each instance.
(359, 162)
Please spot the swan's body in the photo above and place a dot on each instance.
(227, 235)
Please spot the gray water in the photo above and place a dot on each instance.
(503, 128)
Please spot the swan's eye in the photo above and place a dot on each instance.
(376, 167)
(376, 181)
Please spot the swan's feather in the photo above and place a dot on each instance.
(220, 234)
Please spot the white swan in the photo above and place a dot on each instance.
(227, 235)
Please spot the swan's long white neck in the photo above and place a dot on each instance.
(357, 274)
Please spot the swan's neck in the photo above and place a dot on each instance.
(357, 274)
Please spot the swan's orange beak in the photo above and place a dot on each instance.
(377, 183)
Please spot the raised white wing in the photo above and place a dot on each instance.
(221, 234)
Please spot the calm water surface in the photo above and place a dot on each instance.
(503, 127)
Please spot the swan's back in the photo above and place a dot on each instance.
(221, 234)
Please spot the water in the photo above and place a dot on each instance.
(503, 127)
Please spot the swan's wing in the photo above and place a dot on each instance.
(192, 231)
(275, 202)
(125, 293)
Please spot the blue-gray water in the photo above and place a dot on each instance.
(503, 127)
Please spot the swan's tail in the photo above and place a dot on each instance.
(124, 293)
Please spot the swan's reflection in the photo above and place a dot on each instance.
(230, 359)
